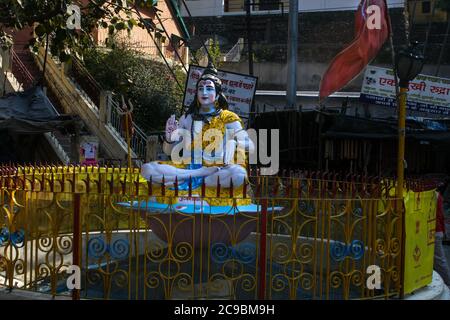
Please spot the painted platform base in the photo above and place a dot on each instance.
(198, 223)
(436, 290)
(194, 208)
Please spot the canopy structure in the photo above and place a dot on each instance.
(30, 112)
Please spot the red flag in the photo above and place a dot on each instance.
(349, 63)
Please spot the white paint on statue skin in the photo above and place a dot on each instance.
(206, 93)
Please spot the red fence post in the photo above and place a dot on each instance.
(76, 239)
(262, 246)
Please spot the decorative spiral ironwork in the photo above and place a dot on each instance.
(339, 250)
(357, 278)
(395, 246)
(153, 280)
(279, 282)
(305, 252)
(3, 263)
(233, 269)
(248, 282)
(245, 252)
(155, 252)
(97, 248)
(217, 284)
(65, 244)
(281, 252)
(119, 249)
(94, 276)
(356, 249)
(336, 279)
(306, 281)
(19, 267)
(183, 252)
(183, 282)
(302, 206)
(45, 243)
(120, 278)
(4, 235)
(220, 252)
(16, 238)
(358, 212)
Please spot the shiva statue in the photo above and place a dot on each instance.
(204, 162)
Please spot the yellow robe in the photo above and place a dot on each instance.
(219, 123)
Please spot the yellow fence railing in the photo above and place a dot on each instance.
(296, 237)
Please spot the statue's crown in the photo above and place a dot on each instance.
(211, 73)
(210, 69)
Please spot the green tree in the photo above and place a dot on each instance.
(215, 53)
(49, 18)
(150, 86)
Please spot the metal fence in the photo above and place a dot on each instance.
(309, 238)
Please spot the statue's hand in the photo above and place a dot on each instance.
(171, 126)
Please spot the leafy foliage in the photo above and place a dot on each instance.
(49, 18)
(215, 53)
(150, 86)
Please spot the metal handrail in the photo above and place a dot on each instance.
(22, 69)
(138, 140)
(234, 52)
(85, 80)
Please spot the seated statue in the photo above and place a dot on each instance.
(207, 145)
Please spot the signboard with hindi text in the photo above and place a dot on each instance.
(426, 93)
(239, 89)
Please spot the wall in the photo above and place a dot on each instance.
(321, 34)
(202, 8)
(141, 40)
(420, 17)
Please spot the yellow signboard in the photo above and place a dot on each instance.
(420, 226)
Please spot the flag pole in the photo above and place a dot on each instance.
(400, 97)
(291, 92)
(127, 132)
(127, 110)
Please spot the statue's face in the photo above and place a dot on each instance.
(206, 92)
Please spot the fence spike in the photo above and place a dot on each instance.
(190, 186)
(175, 185)
(218, 187)
(163, 187)
(150, 187)
(231, 187)
(203, 188)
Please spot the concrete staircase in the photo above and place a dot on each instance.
(97, 109)
(23, 74)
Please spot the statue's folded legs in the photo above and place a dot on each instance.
(207, 115)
